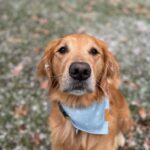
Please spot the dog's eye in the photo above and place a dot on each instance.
(63, 50)
(93, 51)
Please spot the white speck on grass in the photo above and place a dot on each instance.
(35, 108)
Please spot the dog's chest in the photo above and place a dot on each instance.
(78, 140)
(65, 134)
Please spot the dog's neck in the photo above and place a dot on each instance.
(76, 101)
(92, 119)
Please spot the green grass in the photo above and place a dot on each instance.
(28, 25)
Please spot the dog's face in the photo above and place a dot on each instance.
(77, 64)
(78, 61)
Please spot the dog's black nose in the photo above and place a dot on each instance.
(80, 71)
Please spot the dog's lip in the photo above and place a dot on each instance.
(78, 87)
(77, 90)
(74, 89)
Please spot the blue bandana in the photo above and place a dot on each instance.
(90, 119)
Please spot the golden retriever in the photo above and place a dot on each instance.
(81, 70)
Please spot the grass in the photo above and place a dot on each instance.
(25, 29)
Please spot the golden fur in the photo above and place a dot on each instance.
(105, 77)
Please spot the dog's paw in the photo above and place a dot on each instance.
(119, 141)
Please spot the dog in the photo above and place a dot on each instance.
(88, 112)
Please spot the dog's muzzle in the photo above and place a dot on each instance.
(79, 80)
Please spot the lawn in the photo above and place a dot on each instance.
(26, 26)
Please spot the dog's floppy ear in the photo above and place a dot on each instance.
(111, 70)
(111, 74)
(44, 68)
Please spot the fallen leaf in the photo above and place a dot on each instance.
(36, 139)
(139, 130)
(22, 128)
(131, 143)
(35, 18)
(142, 112)
(43, 21)
(90, 5)
(20, 111)
(81, 30)
(145, 123)
(35, 35)
(67, 7)
(123, 39)
(126, 10)
(136, 103)
(140, 9)
(131, 84)
(38, 50)
(17, 69)
(15, 40)
(40, 20)
(147, 144)
(44, 85)
(44, 31)
(114, 2)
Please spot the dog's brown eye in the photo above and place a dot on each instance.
(93, 51)
(63, 50)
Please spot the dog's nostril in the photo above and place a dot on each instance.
(80, 71)
(86, 72)
(75, 71)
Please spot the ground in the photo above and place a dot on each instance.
(26, 27)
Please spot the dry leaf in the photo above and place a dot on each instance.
(35, 35)
(20, 111)
(43, 21)
(44, 85)
(38, 50)
(131, 84)
(17, 69)
(136, 103)
(147, 144)
(35, 18)
(142, 112)
(44, 31)
(114, 2)
(36, 139)
(90, 5)
(126, 10)
(81, 30)
(131, 143)
(14, 40)
(140, 9)
(139, 130)
(22, 128)
(123, 39)
(67, 7)
(40, 20)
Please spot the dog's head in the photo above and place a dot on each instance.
(79, 64)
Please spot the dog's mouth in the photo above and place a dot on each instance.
(78, 88)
